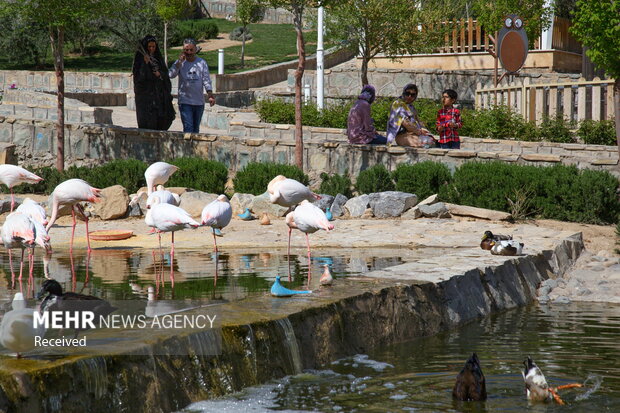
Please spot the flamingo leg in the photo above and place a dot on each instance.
(30, 263)
(72, 230)
(172, 262)
(216, 270)
(11, 265)
(288, 254)
(87, 235)
(21, 265)
(12, 200)
(73, 276)
(214, 242)
(309, 260)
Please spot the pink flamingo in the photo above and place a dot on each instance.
(217, 214)
(168, 218)
(34, 210)
(287, 192)
(72, 192)
(12, 175)
(158, 174)
(18, 231)
(307, 218)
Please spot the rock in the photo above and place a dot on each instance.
(239, 202)
(438, 210)
(469, 211)
(325, 202)
(544, 299)
(139, 200)
(367, 214)
(583, 291)
(413, 213)
(391, 203)
(135, 210)
(544, 290)
(606, 254)
(337, 207)
(551, 283)
(114, 202)
(195, 201)
(357, 206)
(430, 200)
(562, 299)
(262, 204)
(5, 203)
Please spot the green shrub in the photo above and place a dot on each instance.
(196, 29)
(423, 179)
(374, 179)
(559, 192)
(254, 178)
(597, 132)
(555, 130)
(275, 111)
(126, 172)
(199, 174)
(238, 33)
(336, 184)
(499, 122)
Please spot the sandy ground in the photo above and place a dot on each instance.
(221, 42)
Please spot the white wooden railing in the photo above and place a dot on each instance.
(577, 100)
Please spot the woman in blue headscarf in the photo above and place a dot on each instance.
(360, 126)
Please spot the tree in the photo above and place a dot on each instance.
(170, 10)
(596, 24)
(57, 16)
(491, 14)
(297, 7)
(29, 35)
(129, 28)
(246, 12)
(386, 26)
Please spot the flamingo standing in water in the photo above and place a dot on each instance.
(287, 192)
(72, 192)
(12, 175)
(308, 218)
(34, 210)
(168, 218)
(217, 215)
(158, 174)
(18, 231)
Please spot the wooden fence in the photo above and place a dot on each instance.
(467, 36)
(577, 101)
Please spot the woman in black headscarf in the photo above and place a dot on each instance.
(152, 87)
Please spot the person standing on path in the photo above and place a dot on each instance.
(194, 76)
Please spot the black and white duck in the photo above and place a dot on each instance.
(488, 237)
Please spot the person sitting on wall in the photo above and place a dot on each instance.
(404, 126)
(360, 126)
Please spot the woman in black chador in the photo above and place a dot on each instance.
(152, 87)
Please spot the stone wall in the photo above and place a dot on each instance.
(325, 149)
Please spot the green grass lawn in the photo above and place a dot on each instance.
(272, 43)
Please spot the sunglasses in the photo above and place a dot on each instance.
(410, 94)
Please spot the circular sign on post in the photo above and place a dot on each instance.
(512, 44)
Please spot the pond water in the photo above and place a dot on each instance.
(578, 342)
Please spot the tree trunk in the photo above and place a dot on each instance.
(364, 71)
(166, 43)
(617, 111)
(57, 41)
(243, 47)
(299, 73)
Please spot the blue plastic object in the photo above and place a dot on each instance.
(246, 215)
(328, 214)
(278, 290)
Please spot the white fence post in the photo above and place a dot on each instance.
(568, 102)
(220, 61)
(596, 101)
(581, 101)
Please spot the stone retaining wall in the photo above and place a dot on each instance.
(325, 149)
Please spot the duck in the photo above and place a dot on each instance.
(278, 290)
(508, 248)
(489, 237)
(536, 387)
(326, 278)
(57, 300)
(17, 331)
(470, 384)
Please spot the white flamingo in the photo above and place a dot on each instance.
(34, 210)
(307, 218)
(17, 330)
(287, 192)
(18, 231)
(72, 192)
(158, 174)
(12, 175)
(217, 214)
(165, 197)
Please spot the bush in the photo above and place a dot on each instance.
(423, 179)
(555, 130)
(238, 34)
(374, 179)
(254, 178)
(597, 132)
(275, 111)
(199, 174)
(126, 172)
(336, 184)
(196, 29)
(499, 122)
(559, 192)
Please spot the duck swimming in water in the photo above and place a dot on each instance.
(488, 237)
(470, 383)
(536, 386)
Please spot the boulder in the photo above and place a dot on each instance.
(262, 204)
(337, 207)
(391, 203)
(356, 206)
(438, 210)
(413, 213)
(483, 213)
(195, 201)
(134, 210)
(239, 202)
(430, 200)
(138, 200)
(325, 202)
(113, 205)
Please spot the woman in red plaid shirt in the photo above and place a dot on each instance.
(449, 121)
